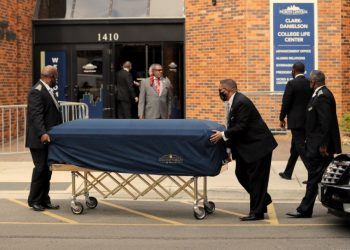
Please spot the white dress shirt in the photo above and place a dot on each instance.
(230, 104)
(314, 94)
(51, 93)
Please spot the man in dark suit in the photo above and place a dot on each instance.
(322, 140)
(295, 99)
(125, 92)
(42, 114)
(251, 144)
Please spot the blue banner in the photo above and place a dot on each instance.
(57, 59)
(293, 40)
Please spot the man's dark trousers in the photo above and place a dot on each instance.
(254, 177)
(315, 171)
(124, 110)
(292, 160)
(40, 185)
(297, 147)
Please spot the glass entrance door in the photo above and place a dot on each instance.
(142, 56)
(92, 80)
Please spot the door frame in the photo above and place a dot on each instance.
(37, 64)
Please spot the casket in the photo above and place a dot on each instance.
(161, 147)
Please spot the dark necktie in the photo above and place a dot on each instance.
(227, 113)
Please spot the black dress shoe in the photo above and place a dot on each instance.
(298, 215)
(51, 206)
(37, 207)
(304, 182)
(284, 176)
(252, 217)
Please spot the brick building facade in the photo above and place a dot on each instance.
(228, 40)
(232, 40)
(16, 50)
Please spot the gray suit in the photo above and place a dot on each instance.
(152, 106)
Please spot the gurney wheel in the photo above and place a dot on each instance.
(91, 202)
(209, 207)
(77, 208)
(199, 213)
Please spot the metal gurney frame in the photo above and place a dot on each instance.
(97, 180)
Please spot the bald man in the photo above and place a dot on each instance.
(125, 92)
(42, 114)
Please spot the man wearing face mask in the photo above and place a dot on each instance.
(322, 140)
(42, 114)
(251, 144)
(295, 99)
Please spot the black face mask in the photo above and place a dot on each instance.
(312, 86)
(54, 82)
(223, 96)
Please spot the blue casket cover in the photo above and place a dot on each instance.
(162, 147)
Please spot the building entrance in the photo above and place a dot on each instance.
(142, 56)
(89, 41)
(87, 73)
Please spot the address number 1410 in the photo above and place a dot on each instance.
(107, 37)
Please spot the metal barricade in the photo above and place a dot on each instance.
(13, 127)
(74, 111)
(13, 124)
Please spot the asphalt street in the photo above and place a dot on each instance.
(122, 224)
(119, 222)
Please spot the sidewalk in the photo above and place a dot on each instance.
(16, 170)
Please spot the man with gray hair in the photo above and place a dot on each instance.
(322, 140)
(155, 95)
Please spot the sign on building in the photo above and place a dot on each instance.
(58, 60)
(293, 38)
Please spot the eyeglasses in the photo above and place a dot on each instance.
(158, 69)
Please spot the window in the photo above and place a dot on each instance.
(82, 9)
(91, 8)
(130, 8)
(168, 8)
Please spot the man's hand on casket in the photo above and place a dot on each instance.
(216, 136)
(228, 159)
(45, 138)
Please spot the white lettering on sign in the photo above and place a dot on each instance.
(293, 20)
(107, 37)
(55, 60)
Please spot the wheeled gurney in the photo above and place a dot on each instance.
(110, 156)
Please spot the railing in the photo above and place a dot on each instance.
(74, 111)
(13, 124)
(13, 127)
